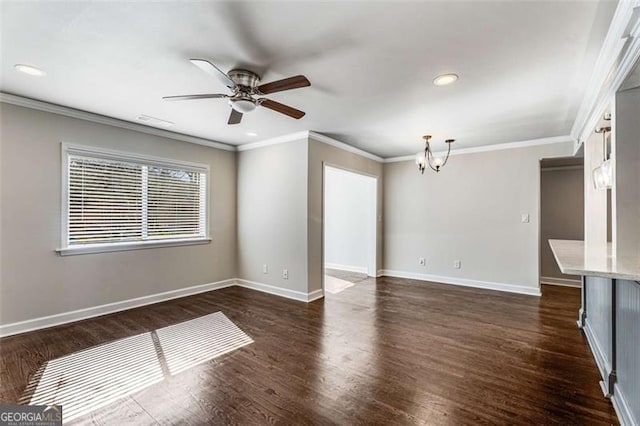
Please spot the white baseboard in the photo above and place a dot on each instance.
(563, 282)
(601, 359)
(109, 308)
(622, 408)
(347, 268)
(488, 285)
(315, 295)
(278, 291)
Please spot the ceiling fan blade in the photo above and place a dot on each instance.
(235, 117)
(211, 69)
(194, 97)
(284, 84)
(282, 108)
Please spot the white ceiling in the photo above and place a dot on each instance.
(523, 66)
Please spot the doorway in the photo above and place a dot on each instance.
(349, 230)
(561, 213)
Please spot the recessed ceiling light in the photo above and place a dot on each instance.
(154, 121)
(28, 69)
(252, 134)
(444, 79)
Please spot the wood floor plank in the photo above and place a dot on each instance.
(384, 351)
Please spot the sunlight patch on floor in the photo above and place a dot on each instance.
(95, 377)
(209, 336)
(335, 285)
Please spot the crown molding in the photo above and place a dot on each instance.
(308, 134)
(489, 148)
(343, 146)
(110, 121)
(619, 53)
(274, 141)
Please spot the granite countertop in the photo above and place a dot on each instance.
(577, 258)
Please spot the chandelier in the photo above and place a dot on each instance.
(426, 158)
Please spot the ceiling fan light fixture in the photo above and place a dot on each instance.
(245, 86)
(242, 105)
(444, 79)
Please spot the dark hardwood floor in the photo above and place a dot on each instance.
(385, 351)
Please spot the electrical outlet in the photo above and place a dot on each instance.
(285, 274)
(265, 269)
(457, 264)
(422, 261)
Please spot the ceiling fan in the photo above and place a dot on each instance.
(245, 86)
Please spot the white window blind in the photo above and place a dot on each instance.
(113, 199)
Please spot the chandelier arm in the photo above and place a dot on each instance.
(429, 157)
(447, 157)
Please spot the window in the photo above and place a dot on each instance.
(117, 201)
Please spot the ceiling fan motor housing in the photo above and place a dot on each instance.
(246, 82)
(244, 78)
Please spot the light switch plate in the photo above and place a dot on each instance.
(524, 218)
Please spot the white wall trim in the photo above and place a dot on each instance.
(308, 134)
(343, 146)
(304, 135)
(279, 291)
(489, 148)
(563, 282)
(488, 285)
(134, 245)
(601, 359)
(109, 308)
(347, 268)
(620, 51)
(621, 406)
(110, 121)
(561, 168)
(315, 295)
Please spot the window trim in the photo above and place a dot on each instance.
(108, 154)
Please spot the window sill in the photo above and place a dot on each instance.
(138, 245)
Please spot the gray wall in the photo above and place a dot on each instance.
(561, 213)
(599, 305)
(319, 154)
(349, 236)
(272, 214)
(470, 211)
(626, 191)
(35, 280)
(598, 328)
(628, 338)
